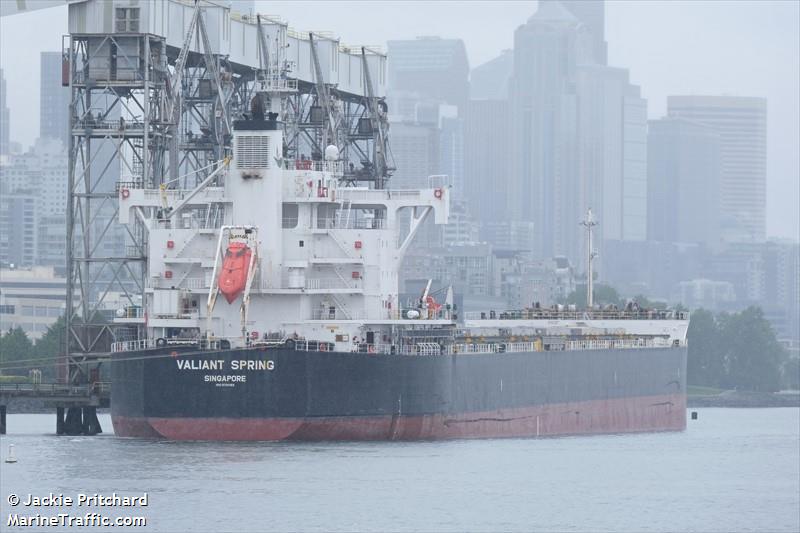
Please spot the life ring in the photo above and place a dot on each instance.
(323, 347)
(371, 348)
(438, 193)
(124, 192)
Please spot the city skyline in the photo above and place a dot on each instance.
(705, 59)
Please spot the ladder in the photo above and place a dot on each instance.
(343, 215)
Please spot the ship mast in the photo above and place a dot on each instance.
(589, 223)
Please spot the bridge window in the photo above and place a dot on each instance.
(289, 216)
(7, 309)
(128, 19)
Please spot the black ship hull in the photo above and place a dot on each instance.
(283, 394)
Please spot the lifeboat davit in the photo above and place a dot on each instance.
(233, 278)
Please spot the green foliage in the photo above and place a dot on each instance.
(49, 347)
(755, 356)
(695, 390)
(52, 342)
(18, 353)
(791, 373)
(705, 365)
(735, 351)
(646, 303)
(603, 295)
(14, 346)
(14, 379)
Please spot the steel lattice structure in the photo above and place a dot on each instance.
(147, 114)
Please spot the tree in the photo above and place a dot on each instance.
(646, 303)
(706, 363)
(791, 373)
(753, 354)
(603, 295)
(52, 342)
(14, 346)
(50, 346)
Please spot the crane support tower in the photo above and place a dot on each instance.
(155, 88)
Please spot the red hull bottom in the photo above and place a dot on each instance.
(648, 413)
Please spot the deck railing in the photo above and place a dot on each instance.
(433, 348)
(332, 167)
(132, 346)
(577, 314)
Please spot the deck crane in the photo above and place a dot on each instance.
(378, 119)
(175, 81)
(330, 135)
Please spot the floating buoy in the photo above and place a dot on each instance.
(11, 458)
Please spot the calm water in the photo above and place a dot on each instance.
(732, 470)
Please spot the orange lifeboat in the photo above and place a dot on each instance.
(233, 278)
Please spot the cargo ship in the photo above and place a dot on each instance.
(270, 306)
(310, 340)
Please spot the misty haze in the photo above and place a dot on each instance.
(400, 265)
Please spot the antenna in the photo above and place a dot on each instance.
(589, 223)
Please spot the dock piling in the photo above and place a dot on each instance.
(59, 420)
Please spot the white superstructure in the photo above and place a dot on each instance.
(323, 267)
(326, 257)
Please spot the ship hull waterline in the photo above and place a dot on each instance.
(282, 394)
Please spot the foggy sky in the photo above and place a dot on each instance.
(715, 47)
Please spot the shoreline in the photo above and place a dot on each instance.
(742, 399)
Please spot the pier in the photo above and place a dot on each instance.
(75, 405)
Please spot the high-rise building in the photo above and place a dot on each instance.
(18, 228)
(433, 67)
(42, 170)
(509, 235)
(451, 150)
(543, 110)
(486, 165)
(578, 137)
(742, 126)
(781, 262)
(4, 117)
(489, 81)
(612, 156)
(34, 214)
(683, 182)
(592, 13)
(486, 139)
(415, 148)
(54, 100)
(427, 93)
(461, 227)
